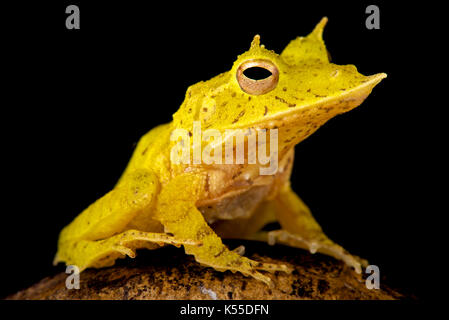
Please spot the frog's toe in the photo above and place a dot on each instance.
(338, 252)
(125, 251)
(270, 267)
(263, 278)
(317, 243)
(240, 250)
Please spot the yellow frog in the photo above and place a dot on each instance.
(195, 204)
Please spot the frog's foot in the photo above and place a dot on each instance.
(225, 259)
(102, 253)
(320, 243)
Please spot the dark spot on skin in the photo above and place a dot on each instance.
(145, 151)
(221, 252)
(266, 111)
(190, 110)
(290, 105)
(308, 90)
(284, 89)
(203, 232)
(205, 109)
(233, 94)
(190, 134)
(249, 98)
(224, 103)
(239, 116)
(239, 106)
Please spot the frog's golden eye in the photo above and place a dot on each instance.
(257, 76)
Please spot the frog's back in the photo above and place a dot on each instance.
(151, 153)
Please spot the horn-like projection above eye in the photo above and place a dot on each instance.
(257, 76)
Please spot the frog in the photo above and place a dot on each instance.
(158, 202)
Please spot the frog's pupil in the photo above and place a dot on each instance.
(257, 73)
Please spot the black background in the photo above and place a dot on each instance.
(76, 102)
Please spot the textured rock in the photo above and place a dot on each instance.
(170, 274)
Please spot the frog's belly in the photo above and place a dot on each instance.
(239, 206)
(241, 203)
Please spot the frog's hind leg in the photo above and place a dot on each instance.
(101, 233)
(300, 229)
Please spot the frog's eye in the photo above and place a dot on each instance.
(257, 76)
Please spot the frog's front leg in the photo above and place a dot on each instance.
(103, 253)
(99, 235)
(178, 213)
(300, 229)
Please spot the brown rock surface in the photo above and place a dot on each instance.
(170, 274)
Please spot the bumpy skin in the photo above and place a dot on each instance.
(157, 202)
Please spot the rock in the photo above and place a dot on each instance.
(168, 273)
